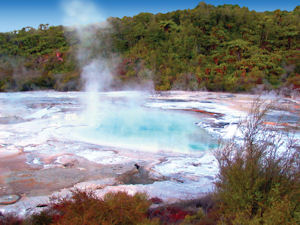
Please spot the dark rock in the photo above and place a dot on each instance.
(68, 165)
(220, 124)
(41, 205)
(137, 166)
(196, 164)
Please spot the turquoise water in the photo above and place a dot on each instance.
(147, 128)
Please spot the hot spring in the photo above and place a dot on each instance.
(51, 141)
(128, 121)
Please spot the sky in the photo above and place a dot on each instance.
(16, 14)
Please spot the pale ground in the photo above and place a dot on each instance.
(40, 153)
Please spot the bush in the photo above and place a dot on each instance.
(85, 208)
(10, 219)
(258, 182)
(45, 217)
(115, 208)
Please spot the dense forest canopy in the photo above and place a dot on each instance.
(219, 48)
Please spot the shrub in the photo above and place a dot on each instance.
(194, 219)
(85, 208)
(258, 182)
(45, 217)
(169, 214)
(115, 208)
(10, 219)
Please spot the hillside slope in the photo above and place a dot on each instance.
(224, 48)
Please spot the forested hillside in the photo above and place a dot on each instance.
(224, 48)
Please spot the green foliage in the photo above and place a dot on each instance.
(43, 218)
(194, 219)
(257, 183)
(227, 48)
(224, 48)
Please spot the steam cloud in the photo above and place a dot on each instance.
(122, 119)
(86, 19)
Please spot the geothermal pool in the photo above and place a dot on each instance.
(51, 142)
(128, 122)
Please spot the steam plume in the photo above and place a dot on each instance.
(96, 76)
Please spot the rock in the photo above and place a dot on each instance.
(196, 164)
(220, 124)
(69, 165)
(137, 166)
(41, 205)
(138, 175)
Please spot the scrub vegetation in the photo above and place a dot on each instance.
(223, 48)
(259, 179)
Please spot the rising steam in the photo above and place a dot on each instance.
(121, 121)
(86, 19)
